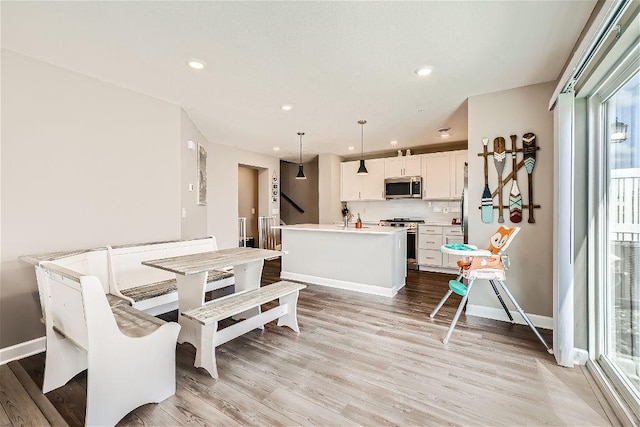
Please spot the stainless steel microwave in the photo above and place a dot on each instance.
(407, 187)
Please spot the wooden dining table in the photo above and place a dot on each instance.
(191, 277)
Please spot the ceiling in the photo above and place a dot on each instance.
(334, 62)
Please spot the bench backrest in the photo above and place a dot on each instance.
(90, 263)
(125, 263)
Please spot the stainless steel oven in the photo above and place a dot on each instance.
(412, 237)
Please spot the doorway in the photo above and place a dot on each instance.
(248, 202)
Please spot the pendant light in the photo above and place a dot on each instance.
(362, 170)
(300, 167)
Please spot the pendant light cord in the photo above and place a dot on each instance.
(300, 133)
(362, 141)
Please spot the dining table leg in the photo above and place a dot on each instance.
(247, 276)
(191, 290)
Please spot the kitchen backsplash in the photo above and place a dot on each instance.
(430, 211)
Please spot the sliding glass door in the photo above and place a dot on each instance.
(618, 242)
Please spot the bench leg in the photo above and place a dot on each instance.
(63, 361)
(190, 295)
(247, 276)
(291, 318)
(206, 350)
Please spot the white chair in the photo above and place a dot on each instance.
(488, 264)
(129, 355)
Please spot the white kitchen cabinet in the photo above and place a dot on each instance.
(430, 239)
(429, 242)
(443, 174)
(457, 159)
(350, 182)
(436, 181)
(362, 187)
(451, 235)
(373, 182)
(395, 167)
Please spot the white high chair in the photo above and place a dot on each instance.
(488, 264)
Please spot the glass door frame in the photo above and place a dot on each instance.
(619, 74)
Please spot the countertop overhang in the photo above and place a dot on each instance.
(331, 228)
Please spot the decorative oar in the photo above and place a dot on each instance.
(515, 198)
(499, 156)
(529, 151)
(487, 200)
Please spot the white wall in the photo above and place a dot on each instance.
(84, 164)
(329, 206)
(195, 223)
(222, 191)
(516, 111)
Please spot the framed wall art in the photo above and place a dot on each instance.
(202, 175)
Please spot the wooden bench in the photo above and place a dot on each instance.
(150, 289)
(129, 355)
(208, 316)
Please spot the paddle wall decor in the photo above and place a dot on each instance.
(516, 204)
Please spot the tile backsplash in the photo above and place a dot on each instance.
(431, 211)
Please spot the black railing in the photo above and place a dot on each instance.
(294, 204)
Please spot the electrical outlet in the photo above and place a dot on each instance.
(184, 212)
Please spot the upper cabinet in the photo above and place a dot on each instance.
(443, 174)
(457, 159)
(395, 167)
(362, 187)
(435, 177)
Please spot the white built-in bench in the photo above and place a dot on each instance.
(208, 316)
(151, 289)
(123, 277)
(129, 355)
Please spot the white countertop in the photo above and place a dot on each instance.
(441, 224)
(366, 229)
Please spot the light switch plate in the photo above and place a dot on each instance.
(191, 145)
(191, 187)
(184, 212)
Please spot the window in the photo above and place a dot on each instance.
(615, 253)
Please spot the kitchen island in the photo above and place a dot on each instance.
(371, 259)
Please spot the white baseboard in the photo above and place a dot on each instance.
(580, 356)
(543, 322)
(22, 350)
(342, 284)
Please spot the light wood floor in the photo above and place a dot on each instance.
(367, 360)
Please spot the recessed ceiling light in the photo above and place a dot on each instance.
(424, 71)
(286, 107)
(196, 64)
(394, 142)
(444, 132)
(276, 148)
(351, 148)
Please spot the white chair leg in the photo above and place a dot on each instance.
(291, 318)
(458, 312)
(441, 303)
(525, 317)
(206, 351)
